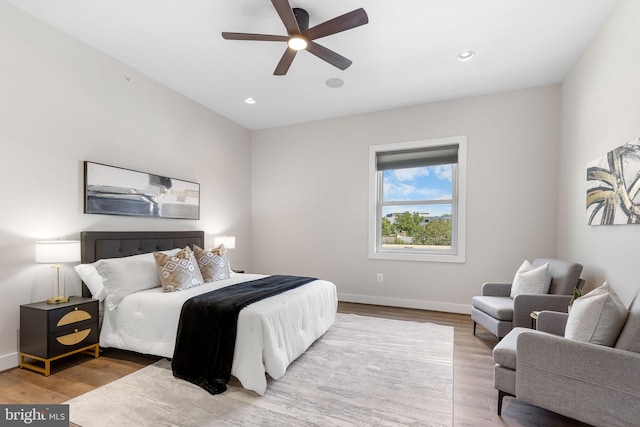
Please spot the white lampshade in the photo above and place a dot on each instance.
(229, 242)
(58, 251)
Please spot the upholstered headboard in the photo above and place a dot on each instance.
(116, 244)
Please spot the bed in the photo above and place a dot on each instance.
(271, 333)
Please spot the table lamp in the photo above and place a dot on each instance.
(57, 252)
(229, 242)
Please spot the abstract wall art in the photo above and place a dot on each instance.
(112, 190)
(613, 187)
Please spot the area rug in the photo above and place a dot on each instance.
(364, 371)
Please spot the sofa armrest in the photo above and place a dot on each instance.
(553, 322)
(524, 304)
(496, 289)
(595, 384)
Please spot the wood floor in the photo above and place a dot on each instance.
(475, 399)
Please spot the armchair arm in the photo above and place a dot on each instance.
(496, 289)
(524, 304)
(595, 384)
(552, 321)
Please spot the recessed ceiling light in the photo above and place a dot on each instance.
(467, 55)
(334, 82)
(250, 101)
(297, 43)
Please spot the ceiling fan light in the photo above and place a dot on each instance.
(297, 43)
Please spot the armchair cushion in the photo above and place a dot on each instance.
(504, 353)
(530, 280)
(597, 317)
(500, 308)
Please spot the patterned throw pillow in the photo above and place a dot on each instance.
(213, 264)
(178, 272)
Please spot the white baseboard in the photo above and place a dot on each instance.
(406, 303)
(9, 361)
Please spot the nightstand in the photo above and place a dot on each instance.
(51, 331)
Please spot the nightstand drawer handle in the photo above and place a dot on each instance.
(74, 338)
(73, 317)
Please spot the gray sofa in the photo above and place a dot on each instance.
(595, 384)
(498, 313)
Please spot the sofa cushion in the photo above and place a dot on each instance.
(500, 308)
(530, 280)
(597, 317)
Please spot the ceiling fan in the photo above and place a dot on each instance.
(301, 37)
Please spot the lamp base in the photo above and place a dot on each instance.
(57, 300)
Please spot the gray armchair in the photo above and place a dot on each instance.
(498, 313)
(592, 383)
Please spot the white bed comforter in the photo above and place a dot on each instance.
(271, 334)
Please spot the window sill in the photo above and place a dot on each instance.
(424, 257)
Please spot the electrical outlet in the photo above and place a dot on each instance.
(380, 277)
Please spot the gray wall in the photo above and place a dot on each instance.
(63, 102)
(600, 111)
(310, 197)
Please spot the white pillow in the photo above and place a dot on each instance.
(92, 279)
(597, 317)
(529, 280)
(124, 276)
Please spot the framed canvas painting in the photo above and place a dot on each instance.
(111, 190)
(613, 187)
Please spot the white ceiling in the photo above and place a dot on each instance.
(405, 55)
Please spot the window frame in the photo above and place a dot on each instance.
(458, 208)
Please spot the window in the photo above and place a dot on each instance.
(417, 200)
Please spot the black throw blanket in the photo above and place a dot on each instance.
(207, 329)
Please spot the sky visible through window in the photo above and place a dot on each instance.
(418, 184)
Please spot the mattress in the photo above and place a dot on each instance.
(271, 333)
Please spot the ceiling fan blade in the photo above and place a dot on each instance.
(259, 37)
(328, 55)
(285, 62)
(286, 15)
(349, 20)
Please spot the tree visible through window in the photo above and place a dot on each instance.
(416, 193)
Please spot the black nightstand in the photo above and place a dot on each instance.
(51, 331)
